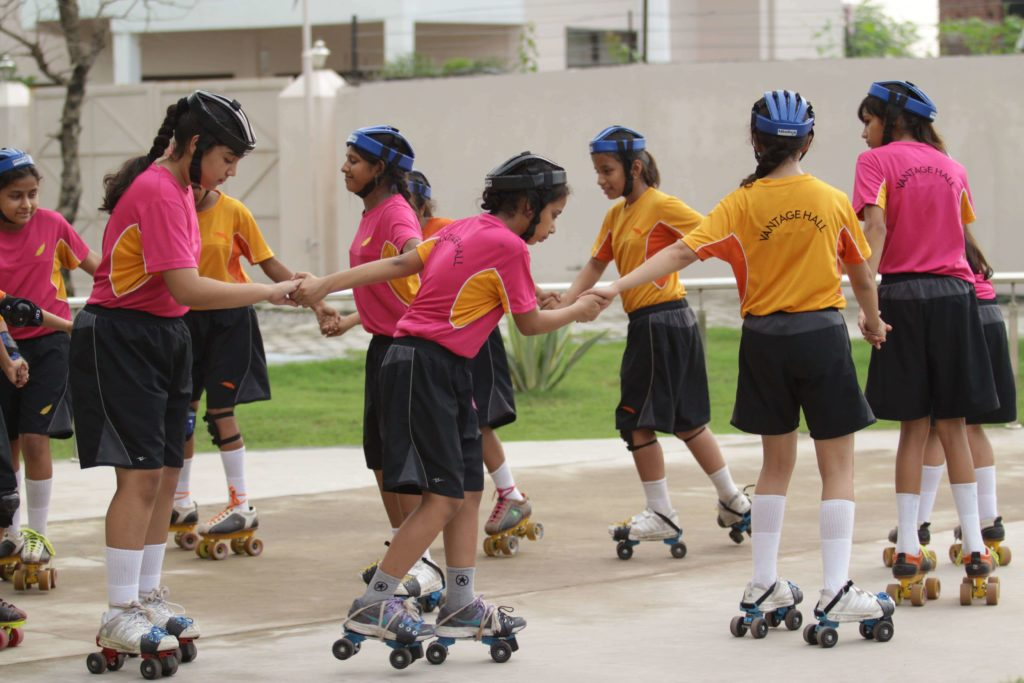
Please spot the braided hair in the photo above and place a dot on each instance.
(774, 149)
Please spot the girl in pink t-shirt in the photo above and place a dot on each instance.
(915, 203)
(473, 272)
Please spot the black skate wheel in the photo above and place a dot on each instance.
(883, 631)
(811, 634)
(773, 619)
(400, 658)
(828, 637)
(759, 628)
(343, 649)
(501, 652)
(116, 664)
(737, 627)
(96, 663)
(437, 653)
(866, 632)
(794, 619)
(149, 669)
(679, 550)
(169, 665)
(188, 652)
(624, 550)
(736, 535)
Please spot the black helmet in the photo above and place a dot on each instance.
(511, 176)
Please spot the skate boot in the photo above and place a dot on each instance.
(735, 515)
(479, 620)
(874, 612)
(763, 607)
(979, 582)
(911, 572)
(993, 534)
(924, 537)
(510, 521)
(184, 519)
(236, 524)
(11, 621)
(10, 553)
(648, 526)
(35, 555)
(395, 622)
(425, 582)
(130, 633)
(171, 617)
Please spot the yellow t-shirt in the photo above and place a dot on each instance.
(785, 238)
(632, 234)
(229, 232)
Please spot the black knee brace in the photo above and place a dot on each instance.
(211, 426)
(695, 435)
(628, 438)
(190, 424)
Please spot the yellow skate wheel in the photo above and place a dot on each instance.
(992, 594)
(932, 587)
(43, 579)
(177, 539)
(1004, 555)
(956, 554)
(535, 532)
(490, 547)
(966, 592)
(917, 595)
(894, 591)
(887, 556)
(203, 549)
(511, 545)
(189, 540)
(219, 551)
(6, 572)
(53, 578)
(253, 547)
(20, 579)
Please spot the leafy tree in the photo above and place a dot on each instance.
(870, 32)
(980, 37)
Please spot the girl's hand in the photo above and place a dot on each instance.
(588, 306)
(311, 289)
(280, 293)
(874, 332)
(17, 372)
(330, 320)
(548, 300)
(606, 294)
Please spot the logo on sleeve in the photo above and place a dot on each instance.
(41, 249)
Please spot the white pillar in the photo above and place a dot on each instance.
(15, 115)
(399, 37)
(127, 58)
(659, 32)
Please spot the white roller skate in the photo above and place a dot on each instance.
(184, 519)
(425, 582)
(763, 607)
(648, 526)
(735, 516)
(36, 554)
(171, 617)
(237, 524)
(851, 603)
(10, 553)
(394, 621)
(479, 620)
(130, 633)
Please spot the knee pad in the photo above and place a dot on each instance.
(211, 427)
(9, 503)
(695, 435)
(627, 436)
(190, 424)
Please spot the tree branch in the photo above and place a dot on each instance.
(35, 51)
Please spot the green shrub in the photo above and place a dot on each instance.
(540, 362)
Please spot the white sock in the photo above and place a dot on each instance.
(766, 514)
(183, 494)
(724, 484)
(657, 496)
(38, 491)
(123, 568)
(931, 475)
(906, 534)
(234, 472)
(986, 476)
(506, 485)
(966, 498)
(152, 564)
(836, 524)
(15, 527)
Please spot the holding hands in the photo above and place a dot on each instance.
(310, 289)
(17, 372)
(873, 331)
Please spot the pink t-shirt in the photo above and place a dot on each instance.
(474, 271)
(153, 228)
(30, 263)
(983, 289)
(927, 202)
(382, 233)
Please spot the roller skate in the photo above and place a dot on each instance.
(11, 621)
(979, 582)
(425, 583)
(493, 626)
(911, 572)
(171, 617)
(236, 524)
(735, 515)
(10, 553)
(130, 634)
(648, 526)
(184, 520)
(992, 534)
(874, 612)
(510, 521)
(32, 570)
(395, 622)
(924, 537)
(763, 607)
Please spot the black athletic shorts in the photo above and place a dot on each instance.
(790, 361)
(43, 406)
(431, 439)
(373, 440)
(131, 372)
(663, 379)
(934, 361)
(8, 481)
(228, 361)
(1002, 371)
(492, 384)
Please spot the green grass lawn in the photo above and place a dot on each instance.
(321, 403)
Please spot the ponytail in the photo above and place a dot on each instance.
(771, 151)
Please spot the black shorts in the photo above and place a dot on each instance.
(1002, 371)
(228, 361)
(934, 362)
(373, 439)
(663, 379)
(790, 361)
(431, 440)
(131, 372)
(492, 384)
(8, 481)
(43, 406)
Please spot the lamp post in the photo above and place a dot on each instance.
(319, 53)
(7, 68)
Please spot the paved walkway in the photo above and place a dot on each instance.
(591, 616)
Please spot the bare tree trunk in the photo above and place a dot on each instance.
(70, 130)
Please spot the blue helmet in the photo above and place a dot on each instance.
(787, 115)
(604, 144)
(418, 184)
(361, 139)
(11, 158)
(914, 101)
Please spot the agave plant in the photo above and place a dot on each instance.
(540, 362)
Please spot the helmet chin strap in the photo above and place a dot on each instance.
(627, 167)
(368, 188)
